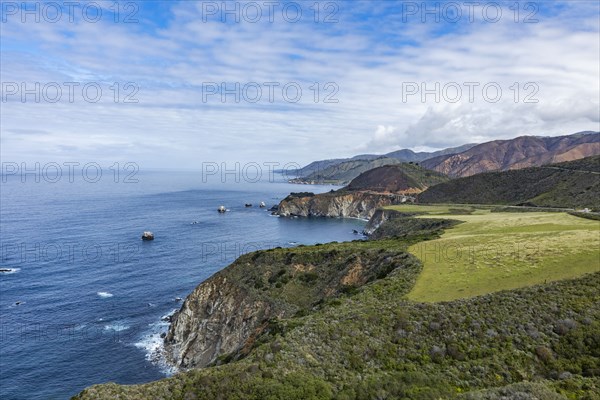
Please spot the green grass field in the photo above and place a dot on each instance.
(496, 251)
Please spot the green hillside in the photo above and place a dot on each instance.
(574, 184)
(492, 251)
(371, 341)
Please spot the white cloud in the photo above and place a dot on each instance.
(369, 58)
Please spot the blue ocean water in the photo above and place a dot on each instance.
(84, 302)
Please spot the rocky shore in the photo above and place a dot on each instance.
(340, 204)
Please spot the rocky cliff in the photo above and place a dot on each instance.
(373, 189)
(379, 217)
(218, 318)
(341, 204)
(224, 317)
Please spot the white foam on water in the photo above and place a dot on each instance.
(116, 327)
(104, 295)
(154, 347)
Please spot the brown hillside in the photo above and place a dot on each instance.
(522, 152)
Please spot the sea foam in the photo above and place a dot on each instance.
(153, 345)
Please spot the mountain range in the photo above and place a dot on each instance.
(343, 170)
(466, 160)
(521, 152)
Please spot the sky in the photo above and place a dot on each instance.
(174, 84)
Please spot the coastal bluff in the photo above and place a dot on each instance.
(340, 204)
(226, 316)
(380, 187)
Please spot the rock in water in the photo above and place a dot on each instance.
(148, 236)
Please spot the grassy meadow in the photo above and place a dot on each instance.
(491, 251)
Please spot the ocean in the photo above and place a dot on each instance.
(82, 297)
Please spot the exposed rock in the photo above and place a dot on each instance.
(216, 319)
(339, 204)
(379, 187)
(379, 217)
(225, 315)
(148, 236)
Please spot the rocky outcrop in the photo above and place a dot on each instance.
(147, 236)
(341, 204)
(378, 187)
(216, 319)
(379, 217)
(224, 317)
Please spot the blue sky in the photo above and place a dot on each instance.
(364, 58)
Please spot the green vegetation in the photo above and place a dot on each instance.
(376, 344)
(372, 341)
(396, 178)
(574, 184)
(496, 251)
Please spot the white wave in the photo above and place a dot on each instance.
(9, 270)
(104, 295)
(116, 327)
(153, 344)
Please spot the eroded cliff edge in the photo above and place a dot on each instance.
(373, 189)
(340, 204)
(228, 314)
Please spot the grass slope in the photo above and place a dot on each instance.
(495, 251)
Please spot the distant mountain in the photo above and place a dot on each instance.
(406, 155)
(400, 178)
(332, 171)
(574, 184)
(522, 152)
(379, 187)
(343, 170)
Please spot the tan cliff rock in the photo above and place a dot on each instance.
(337, 205)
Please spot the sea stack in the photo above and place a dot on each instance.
(148, 236)
(221, 209)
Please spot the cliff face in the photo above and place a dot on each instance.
(337, 204)
(218, 318)
(225, 315)
(379, 217)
